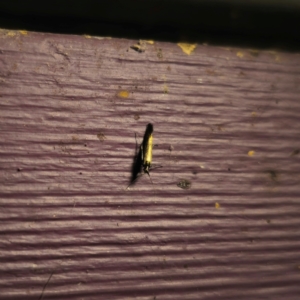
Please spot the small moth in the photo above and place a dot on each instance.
(143, 159)
(146, 149)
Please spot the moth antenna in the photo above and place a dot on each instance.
(156, 167)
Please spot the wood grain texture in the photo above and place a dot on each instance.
(227, 120)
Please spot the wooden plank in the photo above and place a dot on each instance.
(224, 119)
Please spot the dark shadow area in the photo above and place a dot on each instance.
(259, 24)
(138, 164)
(136, 167)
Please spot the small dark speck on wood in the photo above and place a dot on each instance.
(184, 184)
(101, 136)
(273, 175)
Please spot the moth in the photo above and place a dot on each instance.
(143, 160)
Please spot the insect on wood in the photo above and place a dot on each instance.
(143, 159)
(146, 149)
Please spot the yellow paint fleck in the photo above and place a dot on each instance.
(123, 94)
(11, 33)
(217, 205)
(240, 54)
(251, 153)
(96, 37)
(23, 32)
(277, 58)
(253, 114)
(166, 89)
(150, 42)
(187, 48)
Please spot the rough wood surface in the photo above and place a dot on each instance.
(227, 120)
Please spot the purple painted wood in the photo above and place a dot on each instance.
(226, 120)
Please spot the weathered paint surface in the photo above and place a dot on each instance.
(225, 120)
